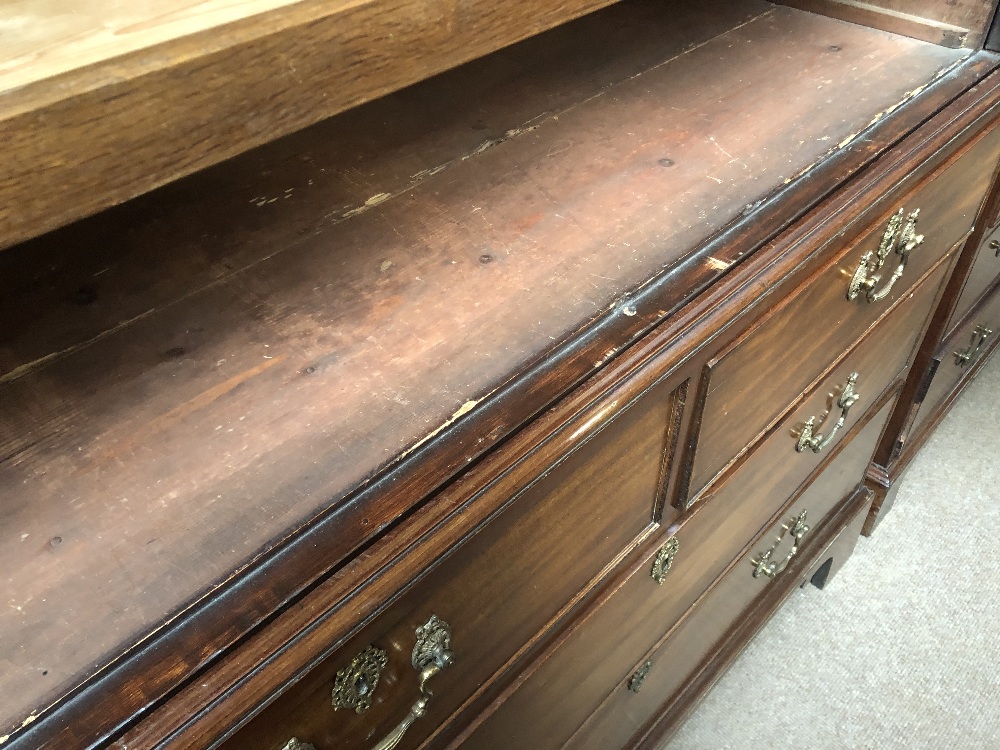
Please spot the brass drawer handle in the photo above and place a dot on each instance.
(979, 336)
(763, 565)
(665, 559)
(636, 680)
(297, 744)
(431, 654)
(816, 442)
(868, 274)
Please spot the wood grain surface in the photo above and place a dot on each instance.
(155, 454)
(814, 324)
(956, 23)
(175, 92)
(249, 676)
(686, 645)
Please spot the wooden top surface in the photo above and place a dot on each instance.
(190, 380)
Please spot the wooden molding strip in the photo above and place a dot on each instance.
(867, 14)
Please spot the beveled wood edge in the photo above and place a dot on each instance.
(117, 696)
(896, 22)
(683, 702)
(884, 398)
(93, 106)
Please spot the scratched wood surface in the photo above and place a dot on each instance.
(190, 379)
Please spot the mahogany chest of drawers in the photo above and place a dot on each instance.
(496, 412)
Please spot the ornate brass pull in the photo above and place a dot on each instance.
(995, 247)
(868, 274)
(636, 680)
(816, 442)
(979, 336)
(763, 565)
(665, 559)
(297, 744)
(431, 654)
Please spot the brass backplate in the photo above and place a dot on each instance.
(355, 685)
(665, 559)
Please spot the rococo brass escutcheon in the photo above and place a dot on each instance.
(979, 337)
(665, 559)
(636, 680)
(355, 685)
(431, 654)
(764, 565)
(814, 441)
(868, 273)
(297, 744)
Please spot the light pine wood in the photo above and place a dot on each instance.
(99, 106)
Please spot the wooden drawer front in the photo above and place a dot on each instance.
(499, 589)
(958, 355)
(686, 645)
(876, 359)
(710, 535)
(981, 276)
(781, 354)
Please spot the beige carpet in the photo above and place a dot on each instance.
(902, 649)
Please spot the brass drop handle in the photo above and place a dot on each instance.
(995, 247)
(431, 654)
(979, 337)
(814, 441)
(868, 274)
(764, 565)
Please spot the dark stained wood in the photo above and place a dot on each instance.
(849, 517)
(501, 587)
(558, 694)
(982, 275)
(690, 643)
(192, 718)
(81, 283)
(943, 381)
(927, 358)
(948, 373)
(214, 351)
(83, 132)
(747, 384)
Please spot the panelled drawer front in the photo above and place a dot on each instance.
(748, 383)
(981, 276)
(709, 536)
(495, 592)
(876, 360)
(671, 664)
(959, 354)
